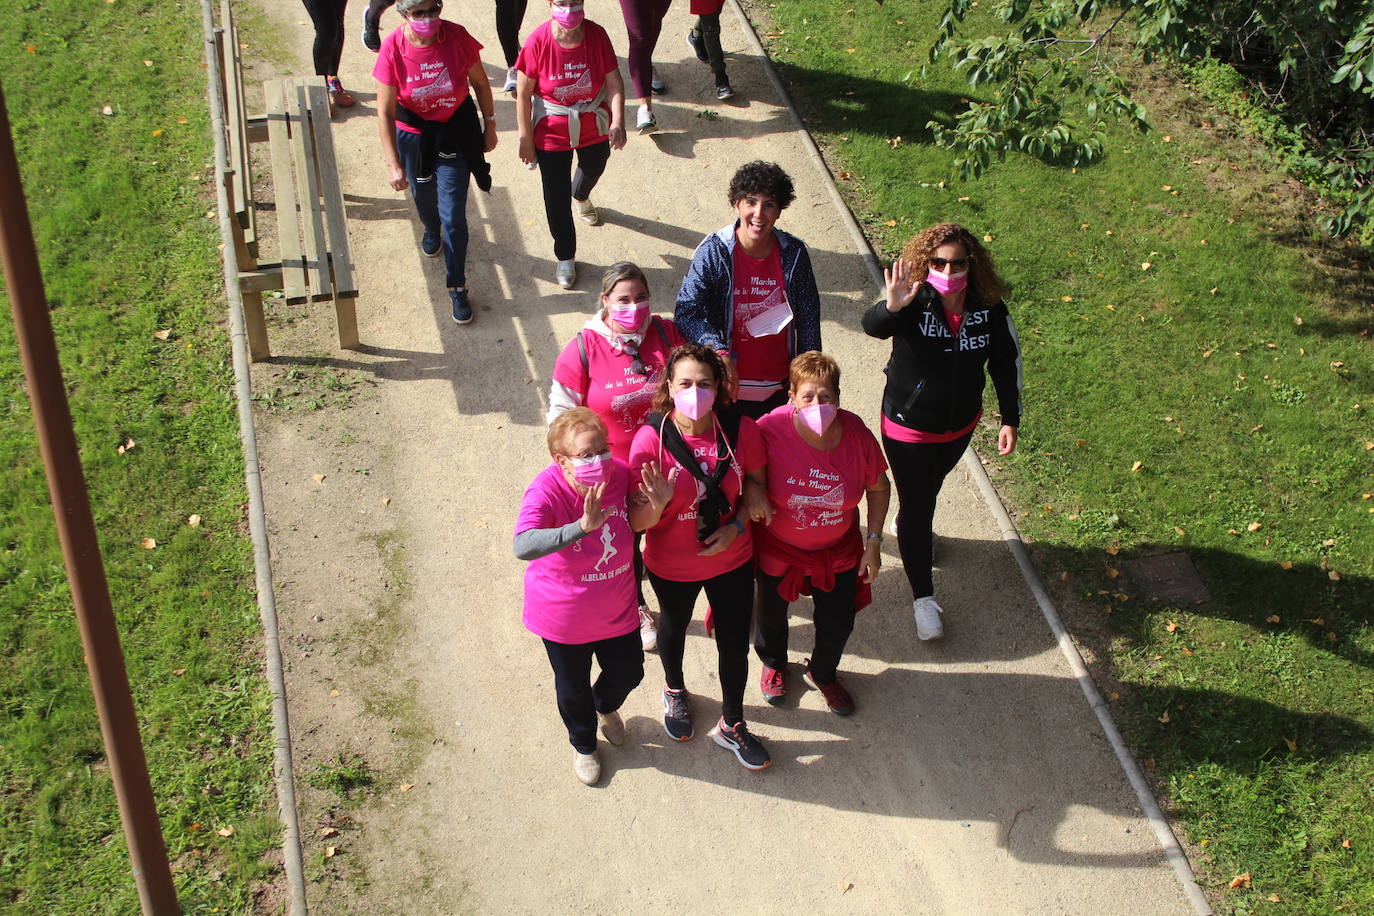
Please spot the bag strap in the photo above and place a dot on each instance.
(671, 438)
(582, 352)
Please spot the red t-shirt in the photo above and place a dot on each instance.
(670, 547)
(816, 494)
(431, 81)
(760, 298)
(567, 76)
(621, 397)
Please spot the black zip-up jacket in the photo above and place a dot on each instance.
(934, 379)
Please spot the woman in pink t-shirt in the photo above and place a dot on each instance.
(614, 366)
(574, 527)
(701, 539)
(569, 98)
(822, 462)
(431, 139)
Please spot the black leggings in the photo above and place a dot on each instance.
(328, 16)
(561, 186)
(708, 27)
(509, 15)
(919, 471)
(579, 698)
(731, 595)
(833, 618)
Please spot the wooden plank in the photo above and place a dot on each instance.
(284, 191)
(256, 327)
(308, 187)
(336, 218)
(235, 117)
(266, 278)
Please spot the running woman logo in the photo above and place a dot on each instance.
(608, 548)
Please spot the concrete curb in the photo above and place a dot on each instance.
(292, 855)
(1178, 860)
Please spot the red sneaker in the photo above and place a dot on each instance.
(773, 685)
(836, 697)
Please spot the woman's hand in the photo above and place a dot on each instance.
(1006, 440)
(757, 507)
(594, 515)
(900, 288)
(720, 539)
(489, 137)
(872, 561)
(656, 488)
(527, 150)
(396, 177)
(617, 138)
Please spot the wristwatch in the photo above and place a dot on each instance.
(875, 536)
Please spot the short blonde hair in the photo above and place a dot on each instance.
(569, 422)
(814, 366)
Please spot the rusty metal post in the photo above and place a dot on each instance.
(80, 549)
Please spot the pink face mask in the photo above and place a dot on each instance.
(567, 17)
(818, 417)
(693, 403)
(947, 283)
(424, 28)
(591, 471)
(630, 316)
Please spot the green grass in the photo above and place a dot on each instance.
(118, 203)
(1236, 369)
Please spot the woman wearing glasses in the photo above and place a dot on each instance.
(569, 100)
(431, 137)
(950, 329)
(614, 366)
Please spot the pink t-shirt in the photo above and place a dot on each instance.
(759, 296)
(567, 76)
(816, 494)
(670, 547)
(431, 81)
(621, 397)
(586, 591)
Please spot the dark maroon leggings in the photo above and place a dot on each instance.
(643, 22)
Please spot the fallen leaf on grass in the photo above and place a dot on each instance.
(1188, 652)
(126, 447)
(1273, 618)
(406, 786)
(107, 110)
(318, 478)
(1113, 572)
(147, 63)
(1180, 531)
(225, 831)
(1254, 526)
(1329, 542)
(1274, 898)
(327, 832)
(1068, 298)
(32, 49)
(891, 222)
(329, 851)
(178, 672)
(1285, 564)
(1241, 880)
(1334, 576)
(1165, 718)
(1345, 844)
(193, 521)
(148, 543)
(1330, 637)
(1137, 466)
(1291, 744)
(1113, 549)
(987, 237)
(1145, 265)
(195, 826)
(157, 132)
(1113, 696)
(163, 334)
(1171, 627)
(894, 142)
(1319, 621)
(386, 500)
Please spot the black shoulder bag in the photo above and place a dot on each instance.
(714, 504)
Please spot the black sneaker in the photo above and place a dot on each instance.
(462, 308)
(372, 39)
(698, 46)
(723, 88)
(430, 244)
(677, 715)
(747, 749)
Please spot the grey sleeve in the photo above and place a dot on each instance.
(540, 542)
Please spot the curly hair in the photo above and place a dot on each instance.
(663, 398)
(982, 273)
(759, 177)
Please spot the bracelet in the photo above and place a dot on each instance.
(738, 524)
(875, 536)
(489, 118)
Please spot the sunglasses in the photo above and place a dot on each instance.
(942, 263)
(428, 12)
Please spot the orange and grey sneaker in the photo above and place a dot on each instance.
(836, 697)
(748, 750)
(773, 685)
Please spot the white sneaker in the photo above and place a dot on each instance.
(566, 273)
(656, 84)
(928, 624)
(645, 122)
(648, 630)
(510, 81)
(587, 767)
(586, 211)
(612, 727)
